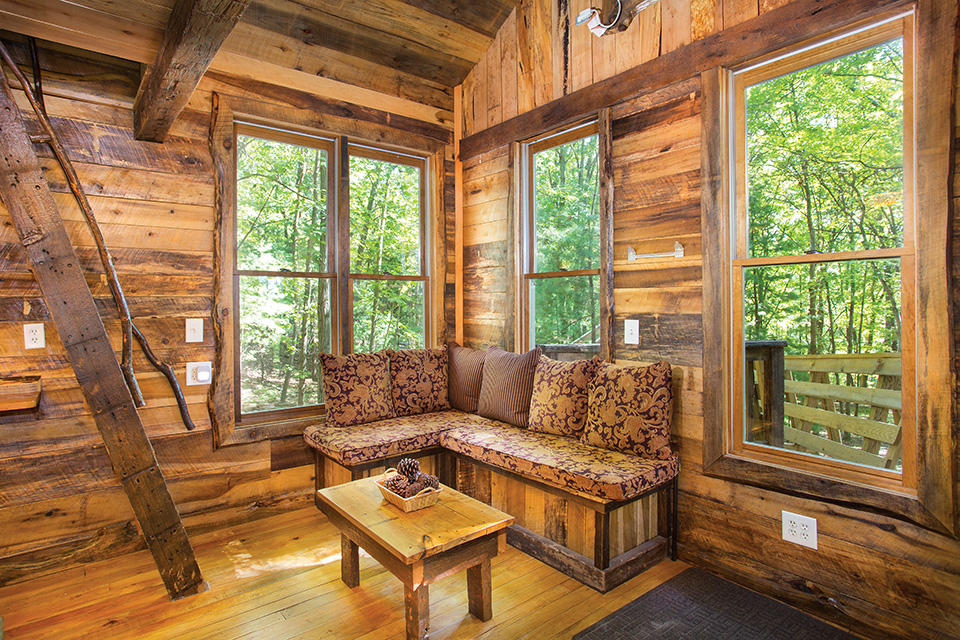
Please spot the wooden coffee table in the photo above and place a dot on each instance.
(420, 547)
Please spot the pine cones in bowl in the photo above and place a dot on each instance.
(408, 488)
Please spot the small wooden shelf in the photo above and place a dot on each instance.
(19, 392)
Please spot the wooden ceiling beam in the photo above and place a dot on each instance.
(194, 34)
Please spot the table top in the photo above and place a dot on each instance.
(454, 520)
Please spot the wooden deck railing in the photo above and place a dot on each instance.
(844, 406)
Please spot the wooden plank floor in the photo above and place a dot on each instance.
(279, 579)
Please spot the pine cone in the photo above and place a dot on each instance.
(428, 480)
(409, 467)
(396, 483)
(413, 489)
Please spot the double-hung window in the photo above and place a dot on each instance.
(824, 260)
(561, 244)
(314, 276)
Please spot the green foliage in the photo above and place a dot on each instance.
(281, 226)
(385, 219)
(825, 174)
(566, 309)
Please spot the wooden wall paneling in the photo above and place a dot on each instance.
(526, 76)
(438, 232)
(459, 130)
(607, 302)
(675, 29)
(495, 75)
(736, 11)
(508, 67)
(59, 274)
(540, 33)
(580, 57)
(764, 34)
(562, 63)
(650, 21)
(937, 34)
(481, 101)
(605, 55)
(467, 117)
(629, 45)
(706, 17)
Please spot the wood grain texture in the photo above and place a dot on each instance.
(193, 35)
(57, 270)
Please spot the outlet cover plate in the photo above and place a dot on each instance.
(33, 337)
(631, 331)
(799, 529)
(198, 373)
(194, 330)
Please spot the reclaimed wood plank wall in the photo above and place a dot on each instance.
(879, 576)
(60, 502)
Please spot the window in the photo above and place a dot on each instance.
(295, 293)
(825, 308)
(561, 253)
(822, 254)
(387, 255)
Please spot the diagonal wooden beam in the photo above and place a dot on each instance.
(57, 270)
(192, 38)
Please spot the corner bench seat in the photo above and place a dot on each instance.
(559, 461)
(351, 446)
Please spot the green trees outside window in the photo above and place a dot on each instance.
(823, 237)
(285, 280)
(563, 246)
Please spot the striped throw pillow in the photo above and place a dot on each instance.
(465, 373)
(507, 385)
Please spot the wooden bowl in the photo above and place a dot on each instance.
(426, 498)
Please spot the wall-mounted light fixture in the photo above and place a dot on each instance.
(625, 11)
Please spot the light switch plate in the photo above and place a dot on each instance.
(194, 330)
(198, 373)
(631, 331)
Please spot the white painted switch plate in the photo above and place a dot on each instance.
(194, 330)
(631, 331)
(33, 337)
(198, 373)
(799, 529)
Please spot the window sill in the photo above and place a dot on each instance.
(902, 504)
(255, 431)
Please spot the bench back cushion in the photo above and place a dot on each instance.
(356, 388)
(466, 375)
(507, 385)
(630, 410)
(419, 379)
(559, 401)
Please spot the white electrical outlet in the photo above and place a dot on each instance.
(194, 330)
(33, 337)
(631, 331)
(799, 529)
(198, 373)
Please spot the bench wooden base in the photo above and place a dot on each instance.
(601, 543)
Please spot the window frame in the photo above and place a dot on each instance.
(229, 426)
(598, 126)
(925, 493)
(739, 80)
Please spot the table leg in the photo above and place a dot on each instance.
(417, 609)
(349, 562)
(478, 591)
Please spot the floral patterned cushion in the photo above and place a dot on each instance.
(419, 378)
(560, 461)
(507, 385)
(356, 388)
(559, 401)
(383, 439)
(630, 410)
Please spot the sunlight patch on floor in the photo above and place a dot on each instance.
(246, 566)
